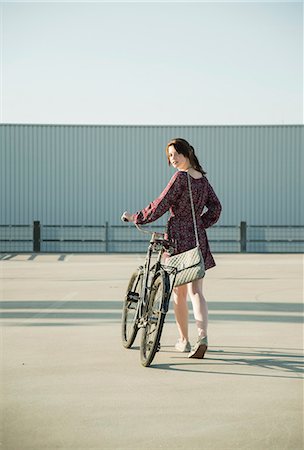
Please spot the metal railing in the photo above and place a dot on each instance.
(125, 238)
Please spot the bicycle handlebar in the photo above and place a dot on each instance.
(166, 244)
(146, 231)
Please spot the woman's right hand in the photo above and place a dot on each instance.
(127, 217)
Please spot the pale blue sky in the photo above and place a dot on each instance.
(168, 63)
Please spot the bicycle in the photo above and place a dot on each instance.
(147, 299)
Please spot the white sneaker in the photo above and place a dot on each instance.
(183, 346)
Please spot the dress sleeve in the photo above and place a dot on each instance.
(161, 204)
(214, 206)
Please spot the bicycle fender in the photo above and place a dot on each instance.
(166, 302)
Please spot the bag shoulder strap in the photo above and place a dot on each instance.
(193, 212)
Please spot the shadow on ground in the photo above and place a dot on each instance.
(111, 311)
(264, 362)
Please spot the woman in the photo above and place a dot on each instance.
(180, 231)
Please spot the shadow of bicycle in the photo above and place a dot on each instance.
(243, 361)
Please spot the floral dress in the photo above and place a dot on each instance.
(180, 229)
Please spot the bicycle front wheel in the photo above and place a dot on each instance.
(130, 311)
(155, 318)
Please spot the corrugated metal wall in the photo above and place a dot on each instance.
(87, 175)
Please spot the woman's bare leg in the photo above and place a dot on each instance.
(181, 311)
(200, 308)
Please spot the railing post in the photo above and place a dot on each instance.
(107, 237)
(36, 236)
(243, 237)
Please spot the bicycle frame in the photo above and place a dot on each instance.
(148, 271)
(156, 245)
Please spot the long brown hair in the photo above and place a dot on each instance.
(183, 147)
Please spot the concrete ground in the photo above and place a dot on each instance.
(67, 382)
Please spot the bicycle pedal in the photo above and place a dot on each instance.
(133, 296)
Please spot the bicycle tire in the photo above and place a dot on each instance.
(130, 310)
(156, 314)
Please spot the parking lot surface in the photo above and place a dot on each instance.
(67, 382)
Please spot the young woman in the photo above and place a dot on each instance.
(180, 231)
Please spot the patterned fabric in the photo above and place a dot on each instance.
(180, 230)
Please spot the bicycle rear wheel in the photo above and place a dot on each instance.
(155, 318)
(130, 311)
